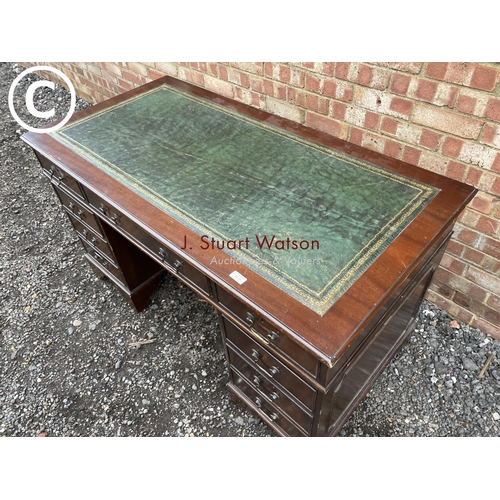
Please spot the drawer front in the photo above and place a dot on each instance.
(269, 364)
(104, 261)
(97, 244)
(173, 262)
(282, 343)
(269, 391)
(266, 407)
(60, 178)
(78, 211)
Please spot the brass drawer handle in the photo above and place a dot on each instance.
(116, 219)
(250, 319)
(258, 402)
(177, 265)
(273, 371)
(103, 209)
(71, 206)
(256, 380)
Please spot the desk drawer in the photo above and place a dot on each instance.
(104, 261)
(270, 335)
(270, 365)
(97, 244)
(269, 391)
(60, 178)
(267, 408)
(169, 259)
(78, 211)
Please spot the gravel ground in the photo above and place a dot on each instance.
(66, 367)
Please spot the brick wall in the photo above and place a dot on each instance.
(443, 117)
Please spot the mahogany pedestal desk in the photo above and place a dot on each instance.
(315, 252)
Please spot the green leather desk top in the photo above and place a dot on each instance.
(305, 217)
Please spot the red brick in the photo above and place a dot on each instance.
(411, 155)
(494, 302)
(356, 136)
(492, 111)
(456, 170)
(426, 90)
(400, 83)
(342, 70)
(429, 139)
(477, 292)
(491, 315)
(257, 84)
(484, 78)
(212, 69)
(455, 248)
(314, 103)
(327, 125)
(269, 69)
(132, 77)
(389, 126)
(371, 120)
(491, 135)
(280, 91)
(491, 264)
(313, 83)
(453, 264)
(338, 110)
(452, 146)
(488, 226)
(473, 176)
(469, 218)
(365, 75)
(392, 148)
(442, 289)
(244, 80)
(495, 188)
(154, 75)
(490, 247)
(223, 73)
(327, 68)
(473, 256)
(297, 97)
(284, 74)
(466, 104)
(447, 121)
(125, 85)
(436, 70)
(402, 106)
(268, 87)
(308, 65)
(483, 203)
(466, 235)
